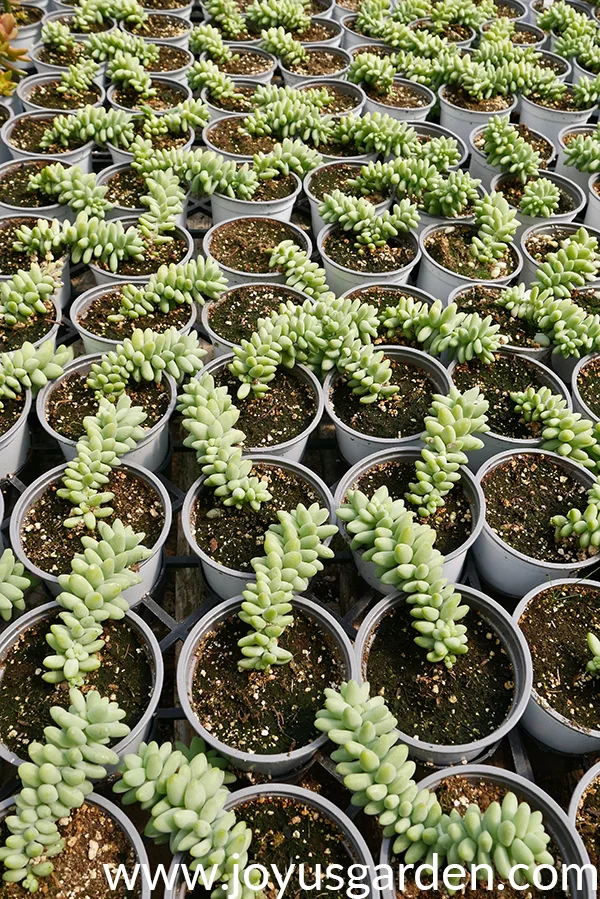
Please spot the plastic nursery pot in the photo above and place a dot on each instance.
(137, 734)
(274, 764)
(149, 570)
(221, 345)
(63, 294)
(571, 171)
(541, 720)
(179, 40)
(229, 582)
(592, 213)
(349, 833)
(150, 453)
(160, 83)
(429, 129)
(292, 450)
(82, 156)
(27, 35)
(67, 19)
(215, 112)
(226, 208)
(440, 281)
(103, 276)
(514, 645)
(568, 842)
(130, 831)
(408, 113)
(237, 276)
(336, 34)
(27, 85)
(352, 38)
(354, 445)
(579, 793)
(14, 443)
(341, 12)
(263, 77)
(179, 75)
(116, 212)
(576, 194)
(495, 443)
(462, 121)
(556, 234)
(427, 221)
(579, 404)
(48, 68)
(340, 278)
(6, 115)
(293, 79)
(54, 210)
(92, 343)
(479, 166)
(540, 36)
(454, 561)
(551, 121)
(317, 221)
(353, 91)
(506, 569)
(123, 157)
(183, 11)
(538, 354)
(228, 157)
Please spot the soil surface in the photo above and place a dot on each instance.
(588, 816)
(246, 244)
(245, 62)
(400, 96)
(513, 189)
(14, 186)
(166, 97)
(95, 318)
(539, 245)
(48, 97)
(588, 383)
(337, 176)
(450, 245)
(235, 315)
(319, 62)
(35, 328)
(460, 98)
(482, 299)
(397, 253)
(12, 260)
(229, 136)
(11, 412)
(155, 255)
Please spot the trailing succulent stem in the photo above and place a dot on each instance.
(172, 285)
(593, 666)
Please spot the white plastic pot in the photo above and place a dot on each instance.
(186, 94)
(149, 570)
(454, 561)
(479, 166)
(92, 343)
(541, 720)
(588, 780)
(180, 40)
(340, 279)
(317, 221)
(462, 121)
(341, 12)
(26, 86)
(54, 210)
(529, 221)
(292, 450)
(405, 114)
(123, 157)
(27, 35)
(579, 404)
(351, 38)
(14, 443)
(215, 112)
(228, 582)
(5, 155)
(439, 281)
(551, 121)
(225, 208)
(263, 77)
(530, 265)
(592, 213)
(336, 34)
(236, 276)
(506, 569)
(179, 75)
(61, 15)
(63, 294)
(238, 158)
(493, 444)
(355, 445)
(82, 156)
(354, 91)
(571, 171)
(120, 212)
(185, 12)
(47, 68)
(149, 453)
(292, 79)
(101, 276)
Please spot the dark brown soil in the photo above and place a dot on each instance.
(169, 58)
(556, 624)
(452, 522)
(245, 62)
(96, 321)
(61, 58)
(431, 702)
(241, 102)
(275, 189)
(453, 32)
(319, 62)
(51, 546)
(126, 188)
(36, 328)
(588, 298)
(341, 102)
(523, 35)
(336, 177)
(155, 255)
(541, 145)
(482, 300)
(513, 188)
(48, 97)
(72, 400)
(522, 495)
(588, 383)
(175, 5)
(450, 247)
(161, 141)
(246, 244)
(166, 97)
(27, 134)
(14, 188)
(509, 373)
(278, 415)
(11, 412)
(93, 840)
(400, 415)
(233, 537)
(125, 676)
(384, 298)
(565, 103)
(90, 27)
(588, 816)
(264, 711)
(27, 15)
(400, 96)
(392, 256)
(229, 136)
(234, 316)
(11, 260)
(539, 245)
(460, 98)
(316, 33)
(159, 27)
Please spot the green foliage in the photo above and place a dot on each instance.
(13, 583)
(371, 17)
(210, 416)
(44, 241)
(30, 368)
(462, 12)
(378, 72)
(583, 152)
(164, 201)
(145, 356)
(71, 187)
(293, 551)
(540, 198)
(299, 271)
(286, 118)
(505, 149)
(227, 15)
(583, 525)
(239, 181)
(593, 666)
(407, 11)
(451, 195)
(107, 44)
(574, 263)
(90, 123)
(171, 286)
(207, 74)
(288, 14)
(286, 157)
(128, 73)
(57, 35)
(280, 43)
(496, 224)
(91, 239)
(78, 78)
(88, 13)
(28, 294)
(207, 39)
(371, 227)
(129, 11)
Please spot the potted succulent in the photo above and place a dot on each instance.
(578, 149)
(325, 178)
(551, 107)
(543, 196)
(160, 28)
(500, 147)
(52, 190)
(58, 49)
(72, 90)
(298, 63)
(582, 811)
(583, 388)
(133, 87)
(238, 61)
(29, 308)
(386, 92)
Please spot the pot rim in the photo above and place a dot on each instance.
(479, 128)
(21, 210)
(325, 165)
(111, 147)
(535, 696)
(325, 232)
(436, 130)
(318, 48)
(431, 229)
(562, 461)
(475, 112)
(346, 26)
(408, 289)
(483, 603)
(24, 502)
(556, 114)
(417, 88)
(571, 227)
(585, 360)
(568, 128)
(26, 84)
(185, 669)
(249, 48)
(19, 422)
(207, 239)
(577, 194)
(10, 124)
(160, 80)
(581, 789)
(33, 616)
(247, 204)
(127, 221)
